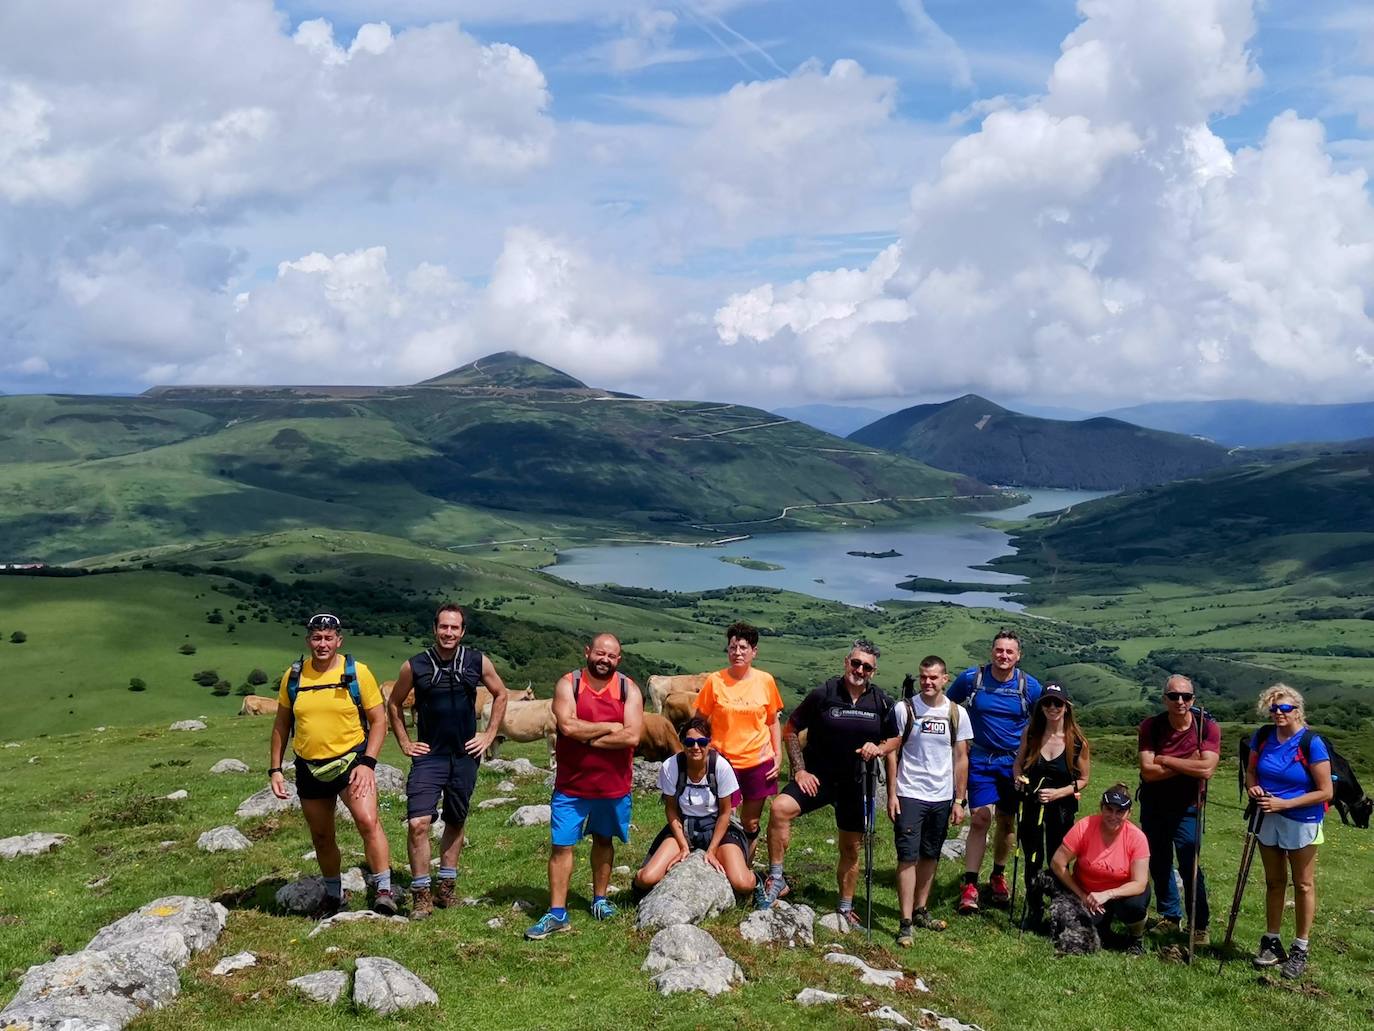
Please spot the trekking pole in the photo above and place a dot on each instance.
(870, 778)
(1201, 718)
(1254, 817)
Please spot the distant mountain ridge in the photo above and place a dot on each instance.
(841, 420)
(974, 436)
(1255, 423)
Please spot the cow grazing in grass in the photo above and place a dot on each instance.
(679, 707)
(659, 740)
(527, 721)
(661, 687)
(257, 705)
(1353, 805)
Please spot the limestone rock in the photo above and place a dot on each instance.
(515, 767)
(816, 997)
(264, 803)
(223, 839)
(384, 986)
(195, 923)
(178, 795)
(689, 893)
(229, 766)
(497, 802)
(712, 977)
(390, 780)
(783, 922)
(353, 916)
(867, 974)
(680, 945)
(530, 816)
(646, 776)
(834, 923)
(622, 871)
(436, 829)
(92, 987)
(522, 906)
(238, 961)
(326, 986)
(352, 879)
(931, 1019)
(954, 847)
(506, 786)
(495, 922)
(11, 744)
(35, 843)
(303, 896)
(889, 1016)
(187, 725)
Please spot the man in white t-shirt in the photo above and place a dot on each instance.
(927, 781)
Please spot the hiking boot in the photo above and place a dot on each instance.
(851, 919)
(384, 902)
(546, 925)
(604, 909)
(905, 939)
(922, 919)
(1000, 890)
(1201, 938)
(968, 899)
(1133, 946)
(444, 893)
(1168, 925)
(330, 905)
(772, 889)
(1270, 954)
(421, 903)
(1294, 965)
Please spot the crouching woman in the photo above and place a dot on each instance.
(697, 785)
(1104, 861)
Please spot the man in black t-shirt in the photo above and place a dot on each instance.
(845, 719)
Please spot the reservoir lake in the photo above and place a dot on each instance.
(817, 563)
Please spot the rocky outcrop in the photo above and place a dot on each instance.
(680, 945)
(326, 986)
(514, 767)
(689, 893)
(497, 802)
(264, 803)
(238, 961)
(230, 766)
(187, 725)
(384, 986)
(223, 839)
(782, 922)
(35, 843)
(353, 916)
(530, 816)
(303, 896)
(712, 977)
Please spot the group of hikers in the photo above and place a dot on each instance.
(995, 748)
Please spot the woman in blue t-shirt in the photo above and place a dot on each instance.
(1289, 778)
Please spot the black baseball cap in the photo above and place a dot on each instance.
(1053, 690)
(1116, 798)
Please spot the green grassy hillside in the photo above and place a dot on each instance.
(971, 435)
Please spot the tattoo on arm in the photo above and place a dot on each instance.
(794, 753)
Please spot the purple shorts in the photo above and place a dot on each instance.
(754, 784)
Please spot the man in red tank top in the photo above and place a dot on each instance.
(600, 714)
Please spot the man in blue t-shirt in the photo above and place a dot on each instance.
(999, 698)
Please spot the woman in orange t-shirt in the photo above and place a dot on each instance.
(743, 704)
(1110, 877)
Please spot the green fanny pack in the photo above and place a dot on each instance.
(328, 770)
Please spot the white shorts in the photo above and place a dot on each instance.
(1278, 831)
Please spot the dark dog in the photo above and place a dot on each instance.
(1071, 927)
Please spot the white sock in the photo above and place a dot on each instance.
(1300, 943)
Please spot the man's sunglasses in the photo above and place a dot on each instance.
(695, 742)
(863, 667)
(1282, 707)
(323, 621)
(1178, 696)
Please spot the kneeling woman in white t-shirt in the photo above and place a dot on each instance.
(699, 807)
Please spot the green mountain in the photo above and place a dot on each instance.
(971, 435)
(472, 457)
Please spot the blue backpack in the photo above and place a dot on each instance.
(350, 681)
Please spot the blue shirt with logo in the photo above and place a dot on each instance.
(1280, 772)
(996, 712)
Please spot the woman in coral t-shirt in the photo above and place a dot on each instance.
(1110, 859)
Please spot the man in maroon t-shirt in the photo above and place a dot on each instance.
(600, 714)
(1178, 748)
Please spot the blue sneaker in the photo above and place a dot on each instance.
(548, 924)
(604, 909)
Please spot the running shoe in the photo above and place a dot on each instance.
(851, 919)
(922, 919)
(547, 924)
(905, 939)
(1271, 953)
(604, 909)
(968, 899)
(773, 889)
(1000, 890)
(1201, 938)
(1294, 965)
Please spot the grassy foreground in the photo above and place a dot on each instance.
(105, 788)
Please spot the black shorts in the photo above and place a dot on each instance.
(699, 832)
(452, 777)
(308, 787)
(846, 797)
(921, 828)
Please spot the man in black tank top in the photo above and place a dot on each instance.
(444, 759)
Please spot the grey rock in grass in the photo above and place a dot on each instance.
(530, 816)
(91, 988)
(867, 974)
(506, 786)
(230, 766)
(689, 893)
(11, 744)
(303, 896)
(497, 802)
(197, 923)
(890, 1016)
(390, 780)
(187, 725)
(223, 839)
(931, 1019)
(98, 882)
(384, 986)
(622, 871)
(326, 986)
(680, 945)
(354, 916)
(238, 961)
(178, 795)
(352, 879)
(515, 767)
(712, 977)
(34, 759)
(35, 843)
(834, 923)
(495, 922)
(783, 922)
(645, 777)
(816, 997)
(436, 829)
(522, 906)
(264, 803)
(954, 847)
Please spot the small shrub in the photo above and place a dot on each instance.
(137, 684)
(187, 649)
(18, 637)
(206, 677)
(244, 689)
(221, 689)
(215, 617)
(257, 677)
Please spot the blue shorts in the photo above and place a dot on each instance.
(572, 819)
(989, 782)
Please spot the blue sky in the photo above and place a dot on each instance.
(1089, 203)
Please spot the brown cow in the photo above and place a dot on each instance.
(679, 707)
(659, 740)
(661, 687)
(527, 721)
(257, 705)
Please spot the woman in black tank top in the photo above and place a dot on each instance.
(1051, 768)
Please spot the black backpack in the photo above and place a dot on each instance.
(711, 756)
(577, 687)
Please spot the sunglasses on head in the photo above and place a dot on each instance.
(861, 666)
(695, 742)
(1178, 696)
(1282, 707)
(323, 621)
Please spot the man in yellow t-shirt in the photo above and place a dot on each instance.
(743, 704)
(336, 755)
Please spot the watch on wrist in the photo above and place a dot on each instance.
(274, 769)
(962, 803)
